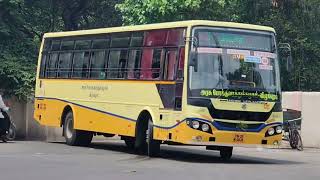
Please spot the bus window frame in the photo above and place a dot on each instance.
(108, 36)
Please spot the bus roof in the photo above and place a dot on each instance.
(160, 26)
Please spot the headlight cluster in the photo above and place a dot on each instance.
(274, 131)
(199, 125)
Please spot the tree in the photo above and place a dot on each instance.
(22, 25)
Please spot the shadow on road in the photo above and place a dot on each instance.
(190, 155)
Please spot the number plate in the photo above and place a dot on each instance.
(238, 138)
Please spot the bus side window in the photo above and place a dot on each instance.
(170, 64)
(64, 64)
(181, 63)
(83, 44)
(100, 44)
(98, 65)
(156, 63)
(120, 40)
(134, 64)
(80, 64)
(113, 63)
(145, 72)
(67, 45)
(151, 64)
(51, 70)
(43, 64)
(44, 58)
(123, 64)
(55, 45)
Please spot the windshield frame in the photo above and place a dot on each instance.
(193, 47)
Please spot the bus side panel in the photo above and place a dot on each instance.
(102, 121)
(48, 111)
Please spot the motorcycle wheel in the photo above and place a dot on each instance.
(11, 133)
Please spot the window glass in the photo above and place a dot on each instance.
(67, 45)
(64, 65)
(98, 65)
(170, 62)
(52, 63)
(134, 64)
(117, 64)
(43, 64)
(137, 39)
(120, 40)
(145, 72)
(175, 37)
(47, 45)
(181, 63)
(55, 46)
(156, 38)
(100, 44)
(83, 44)
(80, 64)
(156, 63)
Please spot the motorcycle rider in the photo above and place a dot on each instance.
(4, 122)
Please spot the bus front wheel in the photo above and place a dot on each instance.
(226, 153)
(153, 147)
(73, 136)
(144, 142)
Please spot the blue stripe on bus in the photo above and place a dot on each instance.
(104, 112)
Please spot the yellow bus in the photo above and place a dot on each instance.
(208, 83)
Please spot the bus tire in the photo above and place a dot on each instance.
(226, 153)
(73, 136)
(153, 146)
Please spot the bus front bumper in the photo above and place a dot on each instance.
(183, 134)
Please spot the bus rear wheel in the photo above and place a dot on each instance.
(73, 136)
(226, 153)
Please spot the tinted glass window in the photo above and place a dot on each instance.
(137, 39)
(67, 45)
(43, 65)
(156, 63)
(146, 62)
(170, 64)
(117, 64)
(120, 40)
(64, 65)
(83, 44)
(175, 37)
(52, 63)
(156, 38)
(134, 64)
(47, 45)
(100, 44)
(98, 65)
(55, 46)
(80, 64)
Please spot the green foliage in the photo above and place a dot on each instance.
(22, 24)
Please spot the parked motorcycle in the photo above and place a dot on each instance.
(8, 128)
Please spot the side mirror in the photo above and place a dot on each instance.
(286, 54)
(194, 61)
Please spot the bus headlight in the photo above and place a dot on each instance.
(195, 124)
(205, 127)
(270, 131)
(279, 129)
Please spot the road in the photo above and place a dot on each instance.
(111, 160)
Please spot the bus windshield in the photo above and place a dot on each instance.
(235, 61)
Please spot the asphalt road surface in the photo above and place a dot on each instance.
(111, 160)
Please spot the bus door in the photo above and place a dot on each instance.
(171, 94)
